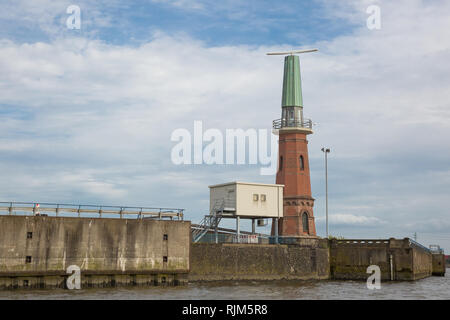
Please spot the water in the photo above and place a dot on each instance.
(429, 288)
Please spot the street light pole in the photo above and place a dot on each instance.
(326, 151)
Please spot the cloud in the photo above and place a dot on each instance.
(431, 224)
(75, 109)
(84, 119)
(87, 183)
(352, 220)
(183, 4)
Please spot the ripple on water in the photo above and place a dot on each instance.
(429, 288)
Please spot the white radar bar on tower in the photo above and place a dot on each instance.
(290, 52)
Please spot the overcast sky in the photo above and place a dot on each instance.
(87, 115)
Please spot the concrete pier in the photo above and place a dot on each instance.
(438, 260)
(398, 259)
(314, 259)
(304, 261)
(35, 251)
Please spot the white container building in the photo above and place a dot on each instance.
(248, 200)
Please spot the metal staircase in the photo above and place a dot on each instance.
(209, 222)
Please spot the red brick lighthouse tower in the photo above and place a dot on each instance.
(293, 162)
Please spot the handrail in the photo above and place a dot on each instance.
(360, 240)
(286, 123)
(37, 207)
(209, 221)
(434, 248)
(228, 231)
(411, 241)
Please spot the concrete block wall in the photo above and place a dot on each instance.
(349, 260)
(35, 252)
(39, 246)
(397, 259)
(438, 264)
(422, 263)
(213, 262)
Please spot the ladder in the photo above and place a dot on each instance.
(209, 222)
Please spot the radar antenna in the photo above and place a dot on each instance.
(290, 52)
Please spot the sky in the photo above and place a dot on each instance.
(87, 114)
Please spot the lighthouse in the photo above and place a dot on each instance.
(293, 161)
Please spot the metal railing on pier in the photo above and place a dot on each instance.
(245, 237)
(225, 235)
(434, 248)
(376, 242)
(414, 243)
(285, 123)
(98, 211)
(361, 241)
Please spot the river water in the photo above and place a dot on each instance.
(429, 288)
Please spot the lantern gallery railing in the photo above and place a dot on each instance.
(285, 123)
(75, 210)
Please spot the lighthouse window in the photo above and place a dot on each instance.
(284, 117)
(281, 163)
(302, 163)
(291, 117)
(305, 222)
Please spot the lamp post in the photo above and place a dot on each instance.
(326, 151)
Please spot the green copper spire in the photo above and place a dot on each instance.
(292, 85)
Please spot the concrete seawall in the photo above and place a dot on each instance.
(212, 262)
(397, 259)
(35, 251)
(438, 264)
(314, 259)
